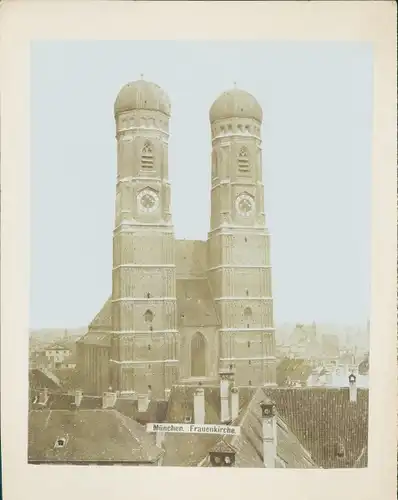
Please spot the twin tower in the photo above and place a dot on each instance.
(185, 311)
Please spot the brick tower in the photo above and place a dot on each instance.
(144, 346)
(239, 242)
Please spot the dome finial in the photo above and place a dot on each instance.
(235, 85)
(142, 76)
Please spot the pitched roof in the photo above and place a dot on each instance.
(312, 424)
(156, 411)
(193, 449)
(190, 449)
(324, 418)
(69, 378)
(39, 378)
(64, 401)
(90, 436)
(293, 369)
(249, 444)
(195, 303)
(103, 320)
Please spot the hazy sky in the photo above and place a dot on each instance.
(317, 104)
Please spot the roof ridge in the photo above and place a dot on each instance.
(245, 414)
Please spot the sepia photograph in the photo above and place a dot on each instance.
(200, 254)
(198, 250)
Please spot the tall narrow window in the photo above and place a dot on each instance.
(148, 316)
(147, 156)
(243, 160)
(247, 313)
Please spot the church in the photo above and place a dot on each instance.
(184, 312)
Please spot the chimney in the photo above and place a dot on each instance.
(225, 377)
(78, 397)
(108, 400)
(268, 413)
(143, 402)
(314, 377)
(43, 397)
(234, 403)
(199, 406)
(352, 381)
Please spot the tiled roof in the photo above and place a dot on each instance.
(323, 419)
(192, 449)
(195, 303)
(249, 444)
(293, 369)
(103, 320)
(319, 420)
(90, 436)
(156, 411)
(69, 378)
(190, 258)
(63, 401)
(42, 378)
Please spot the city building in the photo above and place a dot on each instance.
(184, 311)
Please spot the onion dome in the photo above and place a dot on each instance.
(142, 95)
(235, 103)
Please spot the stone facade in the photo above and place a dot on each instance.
(184, 310)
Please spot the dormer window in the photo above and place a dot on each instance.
(147, 156)
(243, 160)
(60, 443)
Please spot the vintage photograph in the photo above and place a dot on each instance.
(200, 254)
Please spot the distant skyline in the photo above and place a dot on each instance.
(317, 105)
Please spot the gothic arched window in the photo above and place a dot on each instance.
(147, 156)
(148, 316)
(243, 160)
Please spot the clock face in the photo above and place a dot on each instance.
(244, 205)
(148, 200)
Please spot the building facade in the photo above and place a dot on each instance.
(184, 311)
